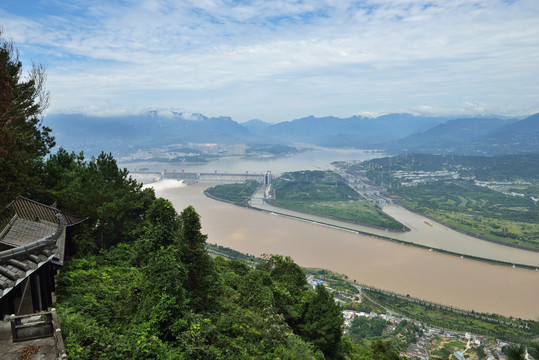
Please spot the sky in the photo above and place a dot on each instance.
(282, 59)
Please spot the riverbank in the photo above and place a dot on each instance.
(431, 237)
(349, 226)
(436, 277)
(303, 217)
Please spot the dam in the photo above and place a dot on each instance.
(208, 178)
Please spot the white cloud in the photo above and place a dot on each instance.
(288, 57)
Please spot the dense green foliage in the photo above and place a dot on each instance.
(325, 193)
(363, 327)
(313, 186)
(163, 296)
(98, 190)
(23, 140)
(238, 194)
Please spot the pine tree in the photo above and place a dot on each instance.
(201, 274)
(23, 139)
(515, 352)
(322, 322)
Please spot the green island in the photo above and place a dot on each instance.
(325, 193)
(238, 194)
(494, 197)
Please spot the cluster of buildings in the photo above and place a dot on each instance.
(313, 282)
(505, 185)
(186, 150)
(419, 349)
(411, 178)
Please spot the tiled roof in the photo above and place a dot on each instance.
(32, 234)
(34, 211)
(23, 232)
(17, 263)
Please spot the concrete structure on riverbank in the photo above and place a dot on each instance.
(217, 178)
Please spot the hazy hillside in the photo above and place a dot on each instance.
(355, 131)
(256, 126)
(394, 133)
(517, 137)
(122, 134)
(473, 136)
(445, 136)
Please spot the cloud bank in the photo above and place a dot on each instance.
(276, 60)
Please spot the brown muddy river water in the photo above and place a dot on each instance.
(429, 275)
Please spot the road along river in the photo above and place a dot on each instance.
(424, 274)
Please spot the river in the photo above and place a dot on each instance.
(423, 231)
(316, 158)
(432, 276)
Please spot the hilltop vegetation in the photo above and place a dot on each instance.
(325, 193)
(163, 296)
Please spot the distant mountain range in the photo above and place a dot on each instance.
(125, 134)
(394, 133)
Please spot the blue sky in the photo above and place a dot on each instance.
(282, 59)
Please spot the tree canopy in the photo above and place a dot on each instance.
(24, 141)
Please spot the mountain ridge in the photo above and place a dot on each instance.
(394, 133)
